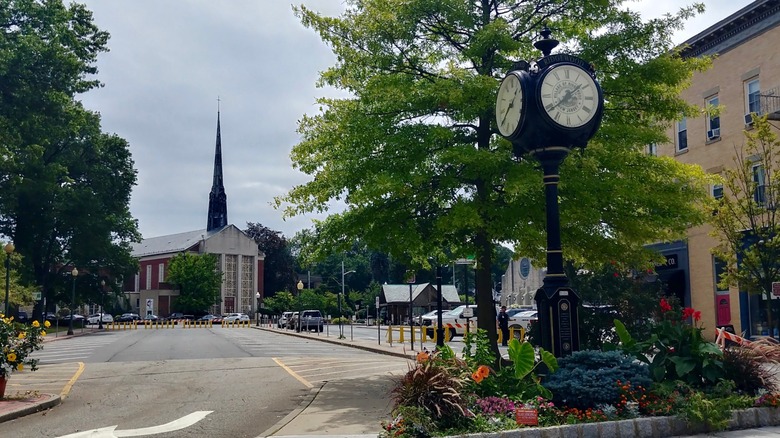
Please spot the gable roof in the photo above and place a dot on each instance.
(171, 242)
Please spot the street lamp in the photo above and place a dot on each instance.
(9, 248)
(102, 303)
(74, 273)
(300, 289)
(341, 327)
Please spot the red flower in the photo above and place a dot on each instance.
(697, 315)
(616, 274)
(665, 306)
(687, 312)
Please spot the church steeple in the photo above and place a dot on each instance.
(217, 198)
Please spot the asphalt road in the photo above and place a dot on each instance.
(199, 382)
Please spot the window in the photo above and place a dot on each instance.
(161, 272)
(148, 277)
(752, 97)
(652, 149)
(682, 135)
(720, 269)
(713, 118)
(717, 191)
(759, 180)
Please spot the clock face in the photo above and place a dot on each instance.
(510, 105)
(569, 96)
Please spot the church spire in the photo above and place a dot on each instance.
(217, 198)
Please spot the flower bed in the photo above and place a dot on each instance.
(17, 341)
(675, 382)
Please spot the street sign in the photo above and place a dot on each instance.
(37, 295)
(377, 302)
(150, 305)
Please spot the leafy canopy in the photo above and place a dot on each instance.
(413, 152)
(198, 280)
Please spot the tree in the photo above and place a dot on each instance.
(745, 219)
(278, 266)
(64, 185)
(414, 154)
(198, 280)
(18, 293)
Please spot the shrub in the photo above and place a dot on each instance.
(589, 378)
(431, 386)
(743, 367)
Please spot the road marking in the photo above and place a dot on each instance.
(293, 373)
(109, 432)
(72, 381)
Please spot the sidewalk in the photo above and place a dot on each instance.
(12, 407)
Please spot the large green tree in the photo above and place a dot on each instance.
(413, 151)
(279, 265)
(64, 185)
(745, 219)
(198, 281)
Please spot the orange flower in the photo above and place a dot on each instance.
(422, 357)
(481, 372)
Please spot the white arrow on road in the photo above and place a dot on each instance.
(109, 432)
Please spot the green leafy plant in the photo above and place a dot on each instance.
(709, 413)
(525, 365)
(432, 386)
(587, 378)
(17, 341)
(676, 349)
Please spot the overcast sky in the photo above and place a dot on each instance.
(169, 60)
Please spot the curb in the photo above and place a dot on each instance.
(373, 349)
(28, 406)
(307, 400)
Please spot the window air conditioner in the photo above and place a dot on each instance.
(748, 119)
(712, 134)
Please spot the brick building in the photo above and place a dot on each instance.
(744, 78)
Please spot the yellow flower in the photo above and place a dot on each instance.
(11, 357)
(47, 324)
(43, 332)
(22, 335)
(19, 366)
(36, 324)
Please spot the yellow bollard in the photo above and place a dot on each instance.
(411, 333)
(447, 334)
(401, 334)
(501, 336)
(390, 334)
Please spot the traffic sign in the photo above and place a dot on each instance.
(37, 295)
(775, 290)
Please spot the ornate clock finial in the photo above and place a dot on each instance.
(546, 44)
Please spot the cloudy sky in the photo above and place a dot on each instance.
(170, 60)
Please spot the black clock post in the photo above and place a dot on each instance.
(547, 109)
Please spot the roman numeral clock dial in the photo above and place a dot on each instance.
(568, 96)
(510, 105)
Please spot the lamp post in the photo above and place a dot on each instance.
(74, 273)
(343, 274)
(300, 289)
(257, 309)
(102, 303)
(9, 248)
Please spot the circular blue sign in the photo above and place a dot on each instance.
(525, 267)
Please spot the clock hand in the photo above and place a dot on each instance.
(568, 95)
(506, 113)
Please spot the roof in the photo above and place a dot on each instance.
(399, 293)
(748, 22)
(170, 243)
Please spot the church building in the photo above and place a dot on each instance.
(239, 259)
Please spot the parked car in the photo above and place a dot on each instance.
(128, 317)
(95, 318)
(21, 316)
(217, 319)
(522, 318)
(426, 319)
(310, 320)
(282, 323)
(233, 317)
(208, 317)
(151, 318)
(76, 317)
(452, 320)
(292, 321)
